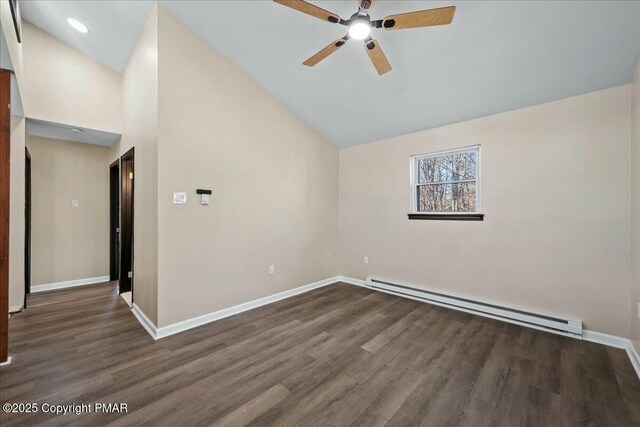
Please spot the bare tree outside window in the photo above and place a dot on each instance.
(447, 182)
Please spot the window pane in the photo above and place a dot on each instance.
(448, 167)
(460, 197)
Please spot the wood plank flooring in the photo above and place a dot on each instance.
(337, 356)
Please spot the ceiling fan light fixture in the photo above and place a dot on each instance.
(359, 30)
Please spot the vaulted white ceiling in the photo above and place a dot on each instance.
(114, 26)
(494, 57)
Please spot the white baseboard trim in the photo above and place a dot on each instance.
(352, 281)
(605, 339)
(165, 331)
(15, 309)
(175, 328)
(614, 341)
(635, 357)
(6, 362)
(69, 284)
(144, 321)
(587, 335)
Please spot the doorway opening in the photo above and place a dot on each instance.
(126, 222)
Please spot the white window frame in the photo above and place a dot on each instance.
(414, 179)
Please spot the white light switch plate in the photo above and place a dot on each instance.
(75, 203)
(204, 199)
(179, 198)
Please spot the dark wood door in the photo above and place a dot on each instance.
(5, 155)
(114, 220)
(27, 225)
(126, 220)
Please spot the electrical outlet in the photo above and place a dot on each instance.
(366, 260)
(75, 203)
(272, 269)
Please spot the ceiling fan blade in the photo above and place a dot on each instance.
(366, 5)
(376, 55)
(309, 9)
(421, 18)
(328, 50)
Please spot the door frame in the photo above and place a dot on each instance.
(27, 225)
(5, 200)
(114, 220)
(127, 191)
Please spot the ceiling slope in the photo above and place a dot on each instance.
(494, 57)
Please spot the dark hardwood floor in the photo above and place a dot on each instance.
(337, 356)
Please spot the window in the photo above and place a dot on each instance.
(446, 183)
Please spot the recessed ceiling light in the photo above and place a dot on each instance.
(77, 25)
(76, 130)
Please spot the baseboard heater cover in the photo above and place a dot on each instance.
(539, 321)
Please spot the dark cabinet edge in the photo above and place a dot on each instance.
(447, 217)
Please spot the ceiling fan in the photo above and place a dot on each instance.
(360, 26)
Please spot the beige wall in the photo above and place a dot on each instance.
(64, 86)
(635, 209)
(555, 192)
(67, 242)
(16, 214)
(140, 130)
(274, 182)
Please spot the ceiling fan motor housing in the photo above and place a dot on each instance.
(365, 5)
(357, 17)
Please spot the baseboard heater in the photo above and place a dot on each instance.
(533, 320)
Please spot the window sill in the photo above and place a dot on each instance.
(448, 217)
